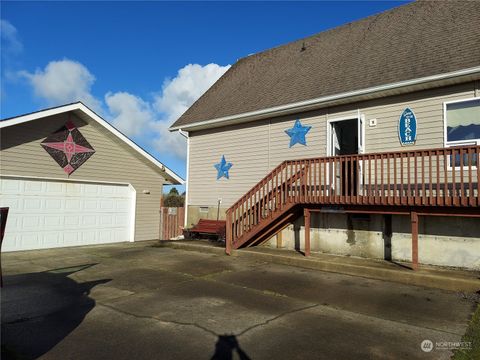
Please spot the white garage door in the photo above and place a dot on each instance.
(46, 213)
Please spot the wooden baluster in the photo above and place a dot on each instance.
(424, 199)
(280, 205)
(470, 179)
(313, 183)
(276, 190)
(295, 198)
(272, 192)
(311, 188)
(409, 194)
(430, 183)
(353, 188)
(369, 188)
(389, 198)
(317, 181)
(359, 183)
(462, 189)
(395, 185)
(342, 185)
(415, 178)
(375, 198)
(301, 166)
(382, 183)
(304, 181)
(242, 212)
(445, 173)
(269, 196)
(324, 182)
(454, 185)
(402, 190)
(339, 188)
(290, 191)
(437, 202)
(228, 233)
(235, 226)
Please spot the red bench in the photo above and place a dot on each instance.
(207, 228)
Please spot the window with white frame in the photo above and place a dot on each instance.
(462, 127)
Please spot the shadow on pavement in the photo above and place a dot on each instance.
(40, 309)
(225, 347)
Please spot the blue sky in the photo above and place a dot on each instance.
(140, 64)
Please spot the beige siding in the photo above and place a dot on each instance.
(245, 146)
(22, 154)
(257, 147)
(428, 109)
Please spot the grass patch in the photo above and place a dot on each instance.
(472, 335)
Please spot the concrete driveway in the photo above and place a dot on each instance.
(136, 301)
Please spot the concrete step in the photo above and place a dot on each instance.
(426, 276)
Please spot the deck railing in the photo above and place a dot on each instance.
(433, 177)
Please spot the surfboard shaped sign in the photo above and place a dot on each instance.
(407, 127)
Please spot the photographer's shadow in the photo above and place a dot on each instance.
(40, 309)
(226, 346)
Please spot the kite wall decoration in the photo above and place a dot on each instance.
(68, 147)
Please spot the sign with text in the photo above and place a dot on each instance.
(407, 127)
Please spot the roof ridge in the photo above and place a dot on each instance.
(332, 29)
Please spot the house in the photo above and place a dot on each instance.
(70, 178)
(361, 140)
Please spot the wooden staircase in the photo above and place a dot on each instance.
(440, 178)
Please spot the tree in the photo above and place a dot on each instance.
(173, 198)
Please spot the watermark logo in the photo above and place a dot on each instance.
(426, 345)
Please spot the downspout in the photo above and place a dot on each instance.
(185, 134)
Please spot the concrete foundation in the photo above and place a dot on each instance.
(444, 241)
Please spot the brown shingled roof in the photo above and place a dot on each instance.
(411, 41)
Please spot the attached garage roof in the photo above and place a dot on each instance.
(417, 40)
(84, 113)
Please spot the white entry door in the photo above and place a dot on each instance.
(48, 213)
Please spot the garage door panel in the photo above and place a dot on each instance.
(54, 187)
(46, 214)
(33, 187)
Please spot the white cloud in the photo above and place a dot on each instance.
(130, 114)
(135, 116)
(9, 37)
(183, 90)
(66, 81)
(63, 81)
(177, 95)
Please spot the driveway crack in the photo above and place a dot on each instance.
(145, 317)
(207, 330)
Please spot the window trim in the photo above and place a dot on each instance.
(457, 142)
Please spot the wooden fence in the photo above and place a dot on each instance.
(171, 222)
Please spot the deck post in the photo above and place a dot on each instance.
(228, 234)
(414, 221)
(306, 214)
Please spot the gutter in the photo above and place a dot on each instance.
(322, 101)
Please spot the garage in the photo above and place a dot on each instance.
(46, 214)
(69, 178)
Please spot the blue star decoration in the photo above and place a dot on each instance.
(297, 133)
(222, 168)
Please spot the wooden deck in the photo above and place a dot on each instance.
(437, 181)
